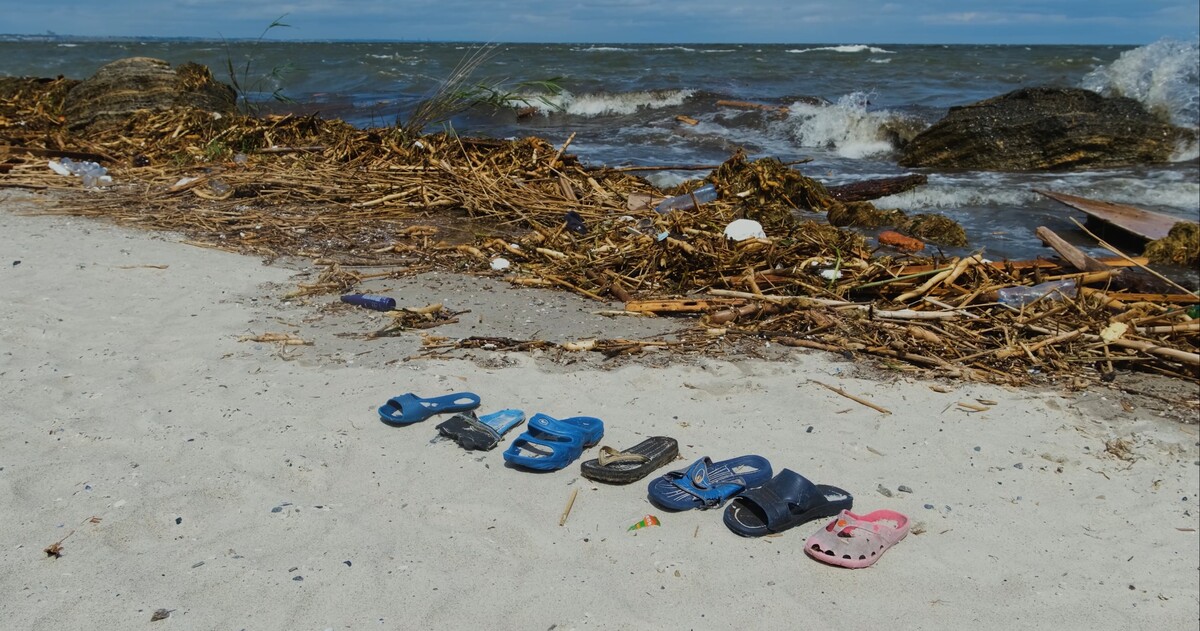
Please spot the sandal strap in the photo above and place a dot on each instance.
(608, 456)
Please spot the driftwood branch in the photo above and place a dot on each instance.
(874, 189)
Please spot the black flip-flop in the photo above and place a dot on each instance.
(785, 501)
(633, 464)
(480, 432)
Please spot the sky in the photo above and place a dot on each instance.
(623, 21)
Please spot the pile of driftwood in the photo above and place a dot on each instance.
(382, 200)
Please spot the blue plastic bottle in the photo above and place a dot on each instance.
(378, 303)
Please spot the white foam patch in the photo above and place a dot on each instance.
(604, 104)
(855, 48)
(847, 127)
(1164, 76)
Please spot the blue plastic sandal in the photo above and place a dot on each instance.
(410, 408)
(550, 444)
(707, 484)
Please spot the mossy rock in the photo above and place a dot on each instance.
(1180, 247)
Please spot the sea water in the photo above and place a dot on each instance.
(621, 102)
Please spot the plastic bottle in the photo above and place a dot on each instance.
(378, 303)
(688, 201)
(1052, 290)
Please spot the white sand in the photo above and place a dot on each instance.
(128, 397)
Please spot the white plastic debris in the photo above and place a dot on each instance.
(742, 229)
(58, 168)
(500, 263)
(831, 274)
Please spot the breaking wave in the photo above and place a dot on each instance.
(606, 104)
(846, 127)
(856, 48)
(1163, 76)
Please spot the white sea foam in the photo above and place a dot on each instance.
(606, 104)
(880, 60)
(856, 48)
(601, 49)
(1164, 76)
(846, 127)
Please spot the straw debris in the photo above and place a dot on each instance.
(404, 203)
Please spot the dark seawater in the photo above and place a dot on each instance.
(621, 101)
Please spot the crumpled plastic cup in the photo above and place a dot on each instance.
(742, 229)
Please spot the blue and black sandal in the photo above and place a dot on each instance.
(409, 408)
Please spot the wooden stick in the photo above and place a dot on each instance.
(901, 314)
(1121, 254)
(567, 511)
(1072, 254)
(853, 398)
(562, 149)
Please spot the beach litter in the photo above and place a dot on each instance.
(646, 522)
(355, 199)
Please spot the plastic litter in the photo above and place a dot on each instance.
(378, 303)
(500, 263)
(688, 201)
(647, 521)
(1052, 290)
(742, 229)
(92, 174)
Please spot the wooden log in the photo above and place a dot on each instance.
(874, 189)
(1070, 253)
(747, 105)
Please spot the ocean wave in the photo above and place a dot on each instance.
(856, 48)
(846, 127)
(603, 103)
(1163, 76)
(601, 49)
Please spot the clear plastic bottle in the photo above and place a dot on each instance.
(688, 201)
(1021, 295)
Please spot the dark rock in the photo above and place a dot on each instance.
(1045, 129)
(125, 86)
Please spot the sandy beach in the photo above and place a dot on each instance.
(248, 485)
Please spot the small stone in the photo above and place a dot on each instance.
(978, 448)
(197, 564)
(809, 430)
(178, 520)
(929, 507)
(277, 509)
(1019, 465)
(904, 489)
(297, 578)
(348, 564)
(884, 491)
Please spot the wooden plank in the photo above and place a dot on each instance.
(1145, 224)
(1072, 254)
